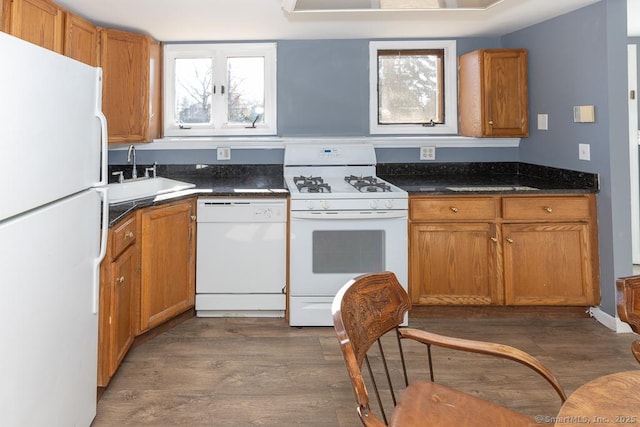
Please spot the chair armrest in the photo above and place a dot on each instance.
(482, 347)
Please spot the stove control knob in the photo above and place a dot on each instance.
(373, 204)
(310, 205)
(324, 204)
(388, 203)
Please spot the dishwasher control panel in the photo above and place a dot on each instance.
(241, 210)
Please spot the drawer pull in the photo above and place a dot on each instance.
(120, 280)
(128, 234)
(548, 209)
(454, 209)
(509, 239)
(494, 239)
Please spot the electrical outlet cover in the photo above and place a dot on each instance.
(584, 152)
(224, 153)
(427, 153)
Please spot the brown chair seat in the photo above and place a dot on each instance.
(449, 407)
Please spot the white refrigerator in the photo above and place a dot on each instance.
(52, 235)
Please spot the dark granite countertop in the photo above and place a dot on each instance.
(209, 180)
(415, 178)
(486, 178)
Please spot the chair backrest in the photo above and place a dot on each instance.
(628, 301)
(365, 309)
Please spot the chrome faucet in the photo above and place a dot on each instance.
(131, 155)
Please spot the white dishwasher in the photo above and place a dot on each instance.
(241, 257)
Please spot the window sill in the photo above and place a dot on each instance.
(274, 142)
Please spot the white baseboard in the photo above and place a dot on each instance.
(613, 323)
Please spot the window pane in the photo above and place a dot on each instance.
(246, 90)
(193, 90)
(410, 86)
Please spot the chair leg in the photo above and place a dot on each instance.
(375, 389)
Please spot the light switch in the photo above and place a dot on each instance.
(543, 122)
(584, 114)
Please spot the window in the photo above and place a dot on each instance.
(413, 87)
(220, 89)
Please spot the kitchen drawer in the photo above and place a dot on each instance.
(546, 208)
(453, 208)
(124, 234)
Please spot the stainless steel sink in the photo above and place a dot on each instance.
(143, 188)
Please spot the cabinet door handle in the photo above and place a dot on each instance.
(454, 209)
(549, 209)
(128, 234)
(509, 239)
(490, 122)
(494, 239)
(193, 217)
(120, 280)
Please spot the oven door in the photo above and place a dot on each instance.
(329, 248)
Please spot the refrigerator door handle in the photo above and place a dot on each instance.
(104, 229)
(104, 138)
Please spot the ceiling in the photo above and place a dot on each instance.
(223, 20)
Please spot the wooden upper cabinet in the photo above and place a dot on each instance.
(4, 14)
(131, 67)
(81, 40)
(493, 94)
(40, 22)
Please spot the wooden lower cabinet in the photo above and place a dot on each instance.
(167, 285)
(146, 278)
(496, 250)
(456, 261)
(548, 264)
(119, 282)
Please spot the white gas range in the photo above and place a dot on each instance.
(345, 221)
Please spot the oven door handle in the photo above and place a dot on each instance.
(361, 215)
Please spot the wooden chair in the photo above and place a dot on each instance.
(368, 307)
(628, 301)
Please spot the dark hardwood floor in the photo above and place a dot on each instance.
(261, 372)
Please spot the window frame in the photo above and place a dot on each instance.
(450, 75)
(220, 52)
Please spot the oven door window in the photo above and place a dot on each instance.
(348, 251)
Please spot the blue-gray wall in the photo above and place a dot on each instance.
(323, 91)
(580, 59)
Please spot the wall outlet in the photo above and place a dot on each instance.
(584, 152)
(427, 153)
(224, 153)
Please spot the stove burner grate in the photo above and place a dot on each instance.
(367, 184)
(311, 184)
